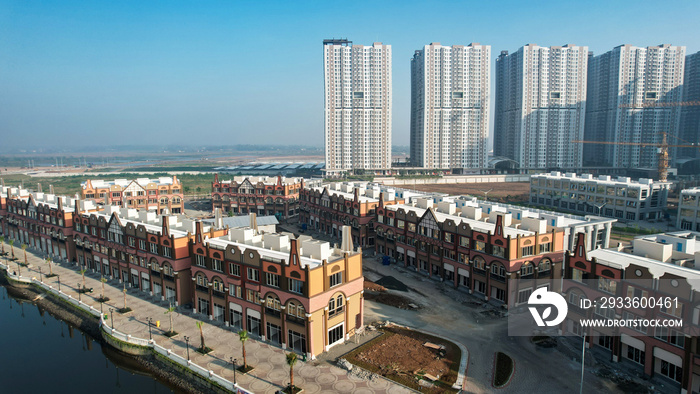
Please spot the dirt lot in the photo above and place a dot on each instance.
(401, 356)
(500, 191)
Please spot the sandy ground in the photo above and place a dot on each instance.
(501, 191)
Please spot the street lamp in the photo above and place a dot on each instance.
(111, 314)
(59, 282)
(149, 320)
(234, 361)
(78, 286)
(187, 342)
(41, 278)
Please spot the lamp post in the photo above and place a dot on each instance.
(234, 362)
(41, 278)
(78, 286)
(111, 316)
(59, 282)
(149, 320)
(187, 342)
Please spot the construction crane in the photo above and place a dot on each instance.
(663, 151)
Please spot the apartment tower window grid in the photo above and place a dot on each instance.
(540, 105)
(626, 86)
(450, 87)
(357, 80)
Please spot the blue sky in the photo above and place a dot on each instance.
(230, 72)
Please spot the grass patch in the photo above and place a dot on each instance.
(244, 369)
(204, 350)
(170, 334)
(84, 290)
(50, 275)
(503, 370)
(124, 310)
(103, 299)
(292, 390)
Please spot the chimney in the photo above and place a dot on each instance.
(216, 178)
(346, 245)
(356, 194)
(174, 180)
(381, 200)
(77, 206)
(198, 232)
(279, 180)
(166, 227)
(60, 204)
(38, 187)
(253, 221)
(50, 189)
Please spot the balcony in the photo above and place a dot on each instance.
(272, 312)
(203, 288)
(296, 320)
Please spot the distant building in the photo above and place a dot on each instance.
(689, 210)
(142, 193)
(262, 195)
(627, 88)
(690, 115)
(541, 105)
(654, 267)
(620, 198)
(450, 94)
(357, 97)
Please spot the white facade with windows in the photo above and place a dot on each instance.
(689, 210)
(541, 105)
(450, 93)
(357, 98)
(620, 198)
(625, 87)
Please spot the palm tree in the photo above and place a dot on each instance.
(243, 336)
(48, 260)
(24, 248)
(82, 272)
(2, 242)
(291, 360)
(201, 335)
(170, 311)
(124, 296)
(103, 280)
(12, 248)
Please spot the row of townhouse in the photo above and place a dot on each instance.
(143, 193)
(328, 207)
(478, 246)
(278, 196)
(620, 198)
(652, 267)
(300, 293)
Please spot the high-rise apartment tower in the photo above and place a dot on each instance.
(357, 121)
(541, 105)
(450, 88)
(631, 96)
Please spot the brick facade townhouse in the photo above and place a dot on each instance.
(298, 293)
(262, 195)
(479, 247)
(328, 208)
(662, 265)
(143, 193)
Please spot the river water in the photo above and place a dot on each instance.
(42, 354)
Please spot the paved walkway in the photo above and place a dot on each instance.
(271, 372)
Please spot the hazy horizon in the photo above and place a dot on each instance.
(221, 73)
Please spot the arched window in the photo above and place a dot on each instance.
(296, 310)
(544, 265)
(335, 305)
(218, 285)
(527, 269)
(164, 201)
(202, 280)
(273, 302)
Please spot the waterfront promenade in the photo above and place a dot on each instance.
(271, 372)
